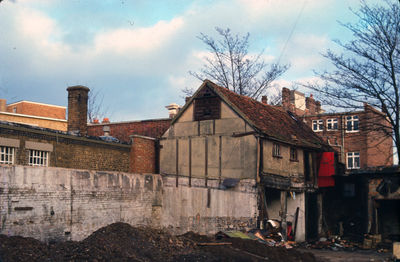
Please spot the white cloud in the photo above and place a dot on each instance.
(138, 40)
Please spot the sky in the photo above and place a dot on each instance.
(137, 53)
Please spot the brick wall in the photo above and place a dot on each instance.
(37, 109)
(143, 155)
(374, 145)
(70, 151)
(151, 128)
(53, 204)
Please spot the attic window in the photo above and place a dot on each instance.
(206, 108)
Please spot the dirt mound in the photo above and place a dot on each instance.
(122, 242)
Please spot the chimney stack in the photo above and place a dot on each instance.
(286, 98)
(264, 100)
(311, 105)
(3, 106)
(77, 109)
(173, 109)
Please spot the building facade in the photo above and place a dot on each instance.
(224, 140)
(362, 138)
(34, 114)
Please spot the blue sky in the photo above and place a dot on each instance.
(138, 53)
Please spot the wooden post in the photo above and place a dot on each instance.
(283, 214)
(190, 162)
(177, 162)
(220, 161)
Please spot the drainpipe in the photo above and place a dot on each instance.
(343, 127)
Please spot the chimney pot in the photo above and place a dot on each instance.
(105, 120)
(173, 109)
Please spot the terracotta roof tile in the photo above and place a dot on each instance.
(272, 121)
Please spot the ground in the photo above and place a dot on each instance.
(122, 242)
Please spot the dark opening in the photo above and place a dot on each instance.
(311, 217)
(389, 219)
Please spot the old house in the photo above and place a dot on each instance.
(222, 141)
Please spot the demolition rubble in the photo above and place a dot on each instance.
(122, 242)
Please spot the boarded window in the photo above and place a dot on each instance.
(207, 105)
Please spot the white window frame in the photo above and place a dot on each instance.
(352, 120)
(318, 125)
(332, 124)
(38, 158)
(7, 155)
(276, 150)
(351, 158)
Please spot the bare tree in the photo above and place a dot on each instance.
(231, 65)
(96, 108)
(368, 69)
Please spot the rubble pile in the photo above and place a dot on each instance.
(122, 242)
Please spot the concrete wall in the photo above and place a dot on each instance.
(208, 148)
(56, 204)
(65, 204)
(208, 210)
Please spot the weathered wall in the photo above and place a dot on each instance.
(282, 165)
(54, 204)
(209, 209)
(209, 149)
(65, 204)
(294, 201)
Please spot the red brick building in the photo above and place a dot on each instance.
(362, 138)
(123, 130)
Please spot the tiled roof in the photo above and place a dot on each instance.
(273, 122)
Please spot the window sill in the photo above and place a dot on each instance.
(277, 156)
(318, 131)
(294, 160)
(331, 130)
(353, 131)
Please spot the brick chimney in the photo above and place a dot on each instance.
(77, 109)
(264, 100)
(286, 98)
(311, 105)
(3, 106)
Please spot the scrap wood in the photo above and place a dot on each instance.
(214, 244)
